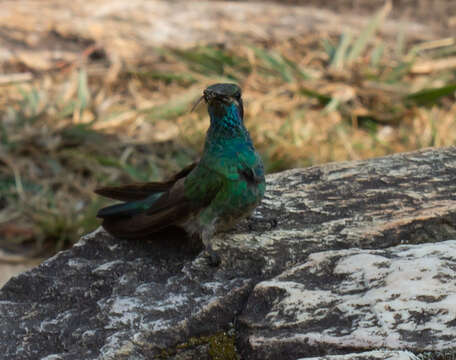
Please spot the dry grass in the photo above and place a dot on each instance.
(308, 101)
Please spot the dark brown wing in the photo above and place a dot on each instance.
(172, 208)
(139, 191)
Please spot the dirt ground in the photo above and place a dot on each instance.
(441, 14)
(44, 35)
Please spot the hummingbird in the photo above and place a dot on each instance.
(206, 197)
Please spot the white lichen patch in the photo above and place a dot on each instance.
(342, 173)
(250, 241)
(134, 311)
(51, 324)
(124, 311)
(108, 266)
(400, 298)
(118, 346)
(89, 236)
(78, 264)
(52, 357)
(155, 325)
(173, 301)
(369, 355)
(295, 303)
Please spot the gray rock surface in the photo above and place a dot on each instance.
(403, 297)
(321, 270)
(370, 355)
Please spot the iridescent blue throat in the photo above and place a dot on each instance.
(226, 121)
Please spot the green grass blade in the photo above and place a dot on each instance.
(274, 62)
(331, 106)
(361, 43)
(430, 96)
(211, 61)
(377, 54)
(398, 72)
(297, 69)
(329, 48)
(4, 138)
(323, 99)
(341, 51)
(83, 90)
(400, 42)
(29, 104)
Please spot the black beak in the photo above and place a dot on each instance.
(207, 96)
(197, 102)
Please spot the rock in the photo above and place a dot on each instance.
(370, 355)
(116, 298)
(339, 259)
(403, 297)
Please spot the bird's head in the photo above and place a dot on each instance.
(223, 99)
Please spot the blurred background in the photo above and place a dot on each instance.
(99, 92)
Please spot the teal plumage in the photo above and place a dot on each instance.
(223, 187)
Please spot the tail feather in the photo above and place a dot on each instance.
(141, 218)
(132, 192)
(140, 191)
(142, 225)
(129, 208)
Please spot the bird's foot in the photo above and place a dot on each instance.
(261, 224)
(213, 257)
